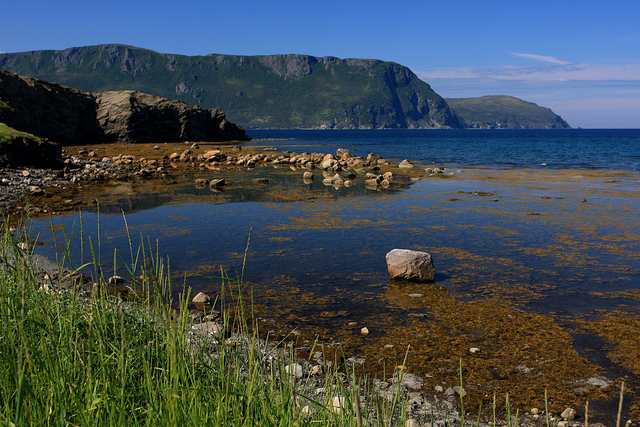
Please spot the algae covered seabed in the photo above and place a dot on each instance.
(537, 269)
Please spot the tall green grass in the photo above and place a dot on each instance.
(71, 357)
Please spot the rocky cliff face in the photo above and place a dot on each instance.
(71, 116)
(274, 91)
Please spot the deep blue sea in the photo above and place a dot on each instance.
(561, 148)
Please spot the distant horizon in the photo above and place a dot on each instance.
(580, 60)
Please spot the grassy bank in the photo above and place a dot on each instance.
(70, 356)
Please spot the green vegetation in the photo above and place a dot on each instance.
(506, 112)
(7, 134)
(70, 359)
(293, 91)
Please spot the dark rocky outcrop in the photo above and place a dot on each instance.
(71, 116)
(21, 150)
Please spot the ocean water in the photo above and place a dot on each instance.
(561, 148)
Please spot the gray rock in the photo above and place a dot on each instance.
(411, 381)
(201, 297)
(295, 370)
(214, 183)
(209, 328)
(116, 281)
(406, 164)
(410, 265)
(568, 414)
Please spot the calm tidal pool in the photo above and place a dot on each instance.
(541, 254)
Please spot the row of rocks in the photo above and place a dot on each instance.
(340, 169)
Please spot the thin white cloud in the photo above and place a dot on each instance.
(541, 58)
(550, 73)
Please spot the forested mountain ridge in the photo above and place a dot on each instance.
(270, 91)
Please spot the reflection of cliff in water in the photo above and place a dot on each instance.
(133, 203)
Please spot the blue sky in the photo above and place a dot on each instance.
(579, 58)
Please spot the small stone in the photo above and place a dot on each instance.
(412, 381)
(439, 388)
(411, 423)
(364, 331)
(294, 370)
(583, 200)
(474, 350)
(156, 147)
(211, 328)
(201, 183)
(214, 183)
(25, 173)
(406, 164)
(535, 411)
(568, 414)
(317, 370)
(116, 281)
(339, 403)
(201, 297)
(459, 391)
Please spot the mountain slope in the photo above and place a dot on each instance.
(494, 112)
(275, 91)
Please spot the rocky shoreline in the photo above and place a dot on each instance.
(40, 191)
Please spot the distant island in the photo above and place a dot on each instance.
(504, 112)
(279, 91)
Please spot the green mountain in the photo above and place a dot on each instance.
(504, 112)
(274, 91)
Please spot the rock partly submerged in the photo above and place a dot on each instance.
(411, 265)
